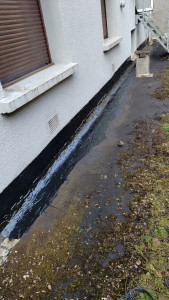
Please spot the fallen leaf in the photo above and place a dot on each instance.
(138, 262)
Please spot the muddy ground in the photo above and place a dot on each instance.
(107, 230)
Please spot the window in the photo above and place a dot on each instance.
(104, 19)
(148, 5)
(110, 24)
(24, 51)
(23, 41)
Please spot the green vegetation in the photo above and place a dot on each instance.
(153, 178)
(166, 127)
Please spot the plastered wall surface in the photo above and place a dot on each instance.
(77, 37)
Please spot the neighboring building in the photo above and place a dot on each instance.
(55, 56)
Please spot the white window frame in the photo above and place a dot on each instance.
(112, 26)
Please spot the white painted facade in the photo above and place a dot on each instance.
(74, 30)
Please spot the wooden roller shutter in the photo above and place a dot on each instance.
(104, 18)
(23, 43)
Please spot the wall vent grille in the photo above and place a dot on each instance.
(53, 123)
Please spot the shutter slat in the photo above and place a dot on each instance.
(16, 5)
(22, 33)
(20, 48)
(18, 2)
(13, 31)
(20, 73)
(6, 54)
(5, 15)
(21, 57)
(23, 62)
(23, 38)
(18, 24)
(15, 44)
(23, 45)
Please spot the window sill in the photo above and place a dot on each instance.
(28, 89)
(111, 42)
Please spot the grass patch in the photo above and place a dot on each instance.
(153, 178)
(166, 127)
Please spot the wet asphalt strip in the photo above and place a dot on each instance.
(91, 133)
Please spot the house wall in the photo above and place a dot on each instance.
(75, 34)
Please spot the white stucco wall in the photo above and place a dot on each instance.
(75, 37)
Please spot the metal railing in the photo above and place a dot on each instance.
(157, 20)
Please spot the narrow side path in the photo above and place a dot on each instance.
(76, 248)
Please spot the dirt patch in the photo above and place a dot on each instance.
(162, 92)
